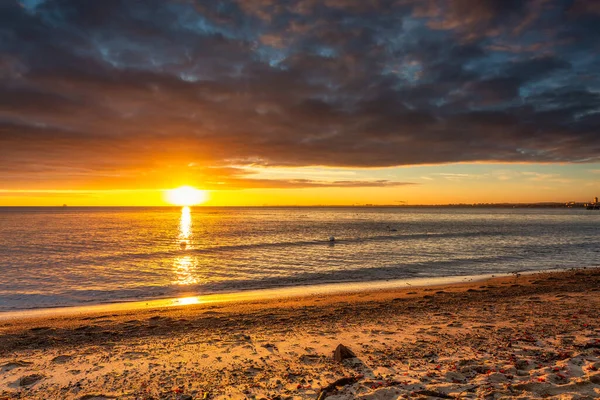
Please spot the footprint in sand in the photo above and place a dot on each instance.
(14, 364)
(30, 379)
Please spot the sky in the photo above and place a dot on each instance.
(307, 102)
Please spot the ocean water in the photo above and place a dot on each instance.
(53, 257)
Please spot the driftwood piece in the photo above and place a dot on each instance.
(326, 391)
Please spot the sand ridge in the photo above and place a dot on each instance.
(530, 336)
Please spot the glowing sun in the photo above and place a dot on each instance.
(186, 196)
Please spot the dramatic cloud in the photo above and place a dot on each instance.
(111, 91)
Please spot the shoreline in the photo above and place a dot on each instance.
(260, 294)
(245, 295)
(528, 336)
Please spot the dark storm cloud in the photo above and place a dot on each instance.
(122, 85)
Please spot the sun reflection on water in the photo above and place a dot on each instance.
(185, 224)
(184, 301)
(183, 266)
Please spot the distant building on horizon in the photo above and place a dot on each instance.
(593, 206)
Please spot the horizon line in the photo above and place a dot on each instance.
(541, 203)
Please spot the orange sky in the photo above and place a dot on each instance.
(458, 183)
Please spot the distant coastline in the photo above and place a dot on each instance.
(504, 205)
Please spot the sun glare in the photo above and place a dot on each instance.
(186, 196)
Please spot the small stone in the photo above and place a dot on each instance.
(521, 364)
(342, 353)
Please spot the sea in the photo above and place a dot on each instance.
(72, 256)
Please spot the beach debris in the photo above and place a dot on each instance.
(342, 353)
(30, 379)
(96, 397)
(331, 239)
(329, 389)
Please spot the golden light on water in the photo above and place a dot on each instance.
(185, 223)
(187, 301)
(184, 271)
(186, 196)
(183, 266)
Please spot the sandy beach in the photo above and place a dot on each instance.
(523, 337)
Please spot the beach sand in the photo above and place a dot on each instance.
(519, 337)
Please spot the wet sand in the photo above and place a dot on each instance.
(529, 336)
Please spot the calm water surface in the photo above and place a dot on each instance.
(74, 256)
